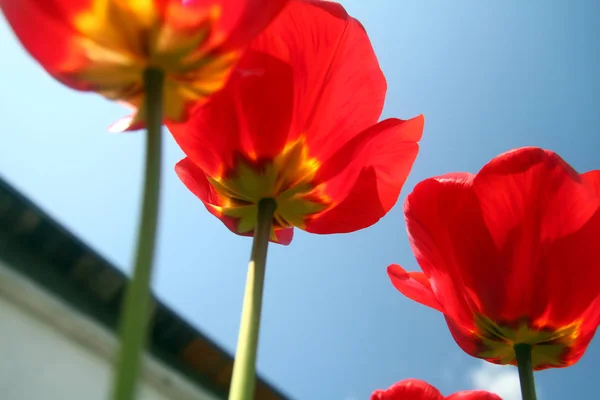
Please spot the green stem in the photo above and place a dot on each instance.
(135, 312)
(523, 353)
(244, 367)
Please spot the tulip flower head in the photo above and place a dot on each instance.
(106, 45)
(509, 256)
(297, 123)
(414, 389)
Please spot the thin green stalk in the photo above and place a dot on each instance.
(523, 353)
(244, 368)
(135, 312)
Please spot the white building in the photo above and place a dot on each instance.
(59, 305)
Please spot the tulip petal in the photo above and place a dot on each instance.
(365, 176)
(414, 285)
(408, 389)
(575, 250)
(533, 187)
(592, 180)
(52, 21)
(449, 239)
(339, 88)
(249, 118)
(473, 395)
(570, 262)
(243, 20)
(195, 180)
(590, 321)
(532, 203)
(126, 124)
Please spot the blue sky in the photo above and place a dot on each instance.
(489, 76)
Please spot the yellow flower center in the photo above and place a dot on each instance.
(121, 38)
(549, 345)
(288, 179)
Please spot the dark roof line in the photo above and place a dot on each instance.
(39, 247)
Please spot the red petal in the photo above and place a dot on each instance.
(40, 22)
(568, 269)
(414, 285)
(532, 187)
(592, 181)
(284, 236)
(366, 174)
(339, 87)
(408, 389)
(474, 395)
(465, 335)
(450, 242)
(243, 20)
(539, 213)
(249, 118)
(195, 180)
(590, 322)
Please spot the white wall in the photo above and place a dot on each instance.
(48, 351)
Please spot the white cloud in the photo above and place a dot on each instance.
(502, 380)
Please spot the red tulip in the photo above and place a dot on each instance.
(297, 123)
(510, 256)
(414, 389)
(105, 45)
